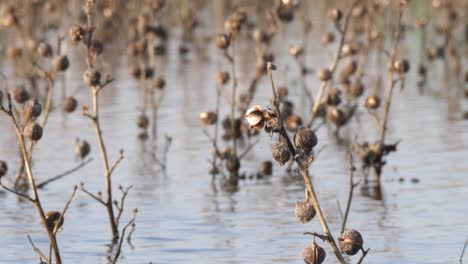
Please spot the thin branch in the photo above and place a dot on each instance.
(63, 174)
(364, 254)
(352, 185)
(92, 195)
(119, 247)
(62, 215)
(37, 250)
(323, 237)
(25, 196)
(121, 156)
(120, 207)
(463, 251)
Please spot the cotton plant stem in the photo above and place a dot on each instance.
(332, 68)
(103, 151)
(390, 83)
(32, 183)
(233, 102)
(352, 185)
(303, 168)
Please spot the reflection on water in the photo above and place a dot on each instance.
(184, 218)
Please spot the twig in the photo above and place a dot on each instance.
(25, 196)
(122, 202)
(62, 215)
(37, 250)
(92, 195)
(352, 185)
(463, 251)
(323, 237)
(119, 247)
(364, 254)
(63, 174)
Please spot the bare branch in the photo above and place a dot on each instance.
(63, 174)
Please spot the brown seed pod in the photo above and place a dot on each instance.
(61, 63)
(52, 218)
(293, 122)
(336, 116)
(44, 49)
(208, 118)
(33, 131)
(324, 75)
(14, 53)
(328, 38)
(282, 92)
(334, 15)
(76, 33)
(350, 68)
(32, 109)
(401, 66)
(266, 168)
(20, 94)
(304, 211)
(314, 254)
(8, 16)
(135, 72)
(69, 104)
(82, 148)
(223, 41)
(149, 72)
(3, 168)
(305, 139)
(281, 152)
(350, 242)
(222, 77)
(159, 83)
(255, 117)
(92, 77)
(296, 51)
(142, 121)
(372, 102)
(357, 89)
(261, 36)
(333, 97)
(286, 15)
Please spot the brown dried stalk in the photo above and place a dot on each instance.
(332, 67)
(304, 170)
(27, 163)
(352, 185)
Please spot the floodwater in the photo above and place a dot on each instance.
(184, 218)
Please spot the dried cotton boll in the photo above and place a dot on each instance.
(304, 211)
(305, 139)
(92, 77)
(401, 66)
(159, 83)
(324, 75)
(142, 121)
(32, 109)
(61, 63)
(328, 38)
(372, 102)
(33, 131)
(52, 218)
(20, 94)
(14, 53)
(69, 104)
(96, 47)
(208, 118)
(222, 77)
(293, 122)
(44, 49)
(281, 152)
(3, 168)
(296, 51)
(334, 15)
(336, 116)
(255, 117)
(223, 41)
(314, 254)
(82, 148)
(333, 97)
(350, 242)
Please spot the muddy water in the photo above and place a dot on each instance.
(184, 218)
